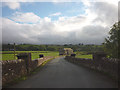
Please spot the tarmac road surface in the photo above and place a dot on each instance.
(59, 73)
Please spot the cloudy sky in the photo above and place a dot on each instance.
(57, 22)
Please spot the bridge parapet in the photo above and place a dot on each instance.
(99, 55)
(99, 62)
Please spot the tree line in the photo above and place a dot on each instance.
(29, 47)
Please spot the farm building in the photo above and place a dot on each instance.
(65, 51)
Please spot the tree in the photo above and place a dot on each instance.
(112, 41)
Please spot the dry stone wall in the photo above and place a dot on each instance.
(12, 69)
(109, 66)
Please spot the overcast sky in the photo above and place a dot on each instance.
(57, 22)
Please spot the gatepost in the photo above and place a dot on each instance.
(27, 58)
(97, 58)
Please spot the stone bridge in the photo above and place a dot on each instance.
(59, 73)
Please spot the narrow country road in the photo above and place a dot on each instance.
(59, 73)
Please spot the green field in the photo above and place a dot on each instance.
(36, 55)
(12, 52)
(84, 56)
(8, 55)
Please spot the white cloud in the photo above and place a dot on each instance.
(12, 5)
(20, 0)
(61, 18)
(91, 27)
(26, 17)
(55, 14)
(46, 19)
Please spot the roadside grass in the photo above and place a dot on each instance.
(35, 54)
(89, 56)
(15, 81)
(38, 68)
